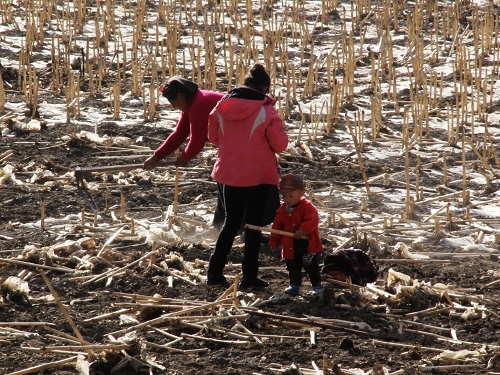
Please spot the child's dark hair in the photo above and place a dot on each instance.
(258, 79)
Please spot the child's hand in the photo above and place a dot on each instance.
(298, 234)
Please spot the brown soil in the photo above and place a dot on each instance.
(20, 207)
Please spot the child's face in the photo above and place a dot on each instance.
(293, 197)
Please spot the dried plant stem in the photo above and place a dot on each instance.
(27, 264)
(45, 366)
(116, 270)
(360, 159)
(63, 309)
(166, 317)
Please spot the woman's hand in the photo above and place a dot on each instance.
(180, 162)
(151, 163)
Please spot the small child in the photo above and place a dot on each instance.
(298, 215)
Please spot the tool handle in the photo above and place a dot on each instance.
(264, 229)
(114, 168)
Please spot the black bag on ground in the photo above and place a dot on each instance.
(354, 263)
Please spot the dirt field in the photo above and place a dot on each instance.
(445, 314)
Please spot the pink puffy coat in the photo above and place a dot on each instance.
(248, 133)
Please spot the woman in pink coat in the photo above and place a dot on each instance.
(248, 133)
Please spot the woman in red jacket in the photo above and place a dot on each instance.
(195, 105)
(248, 133)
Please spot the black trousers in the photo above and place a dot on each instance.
(310, 264)
(241, 205)
(273, 203)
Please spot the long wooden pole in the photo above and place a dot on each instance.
(63, 309)
(264, 229)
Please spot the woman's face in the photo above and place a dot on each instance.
(180, 102)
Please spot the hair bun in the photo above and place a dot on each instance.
(258, 71)
(258, 79)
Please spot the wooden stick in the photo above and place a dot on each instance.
(61, 306)
(25, 324)
(264, 229)
(408, 203)
(312, 334)
(122, 209)
(158, 299)
(426, 368)
(6, 155)
(409, 346)
(112, 314)
(86, 347)
(446, 205)
(490, 284)
(439, 198)
(309, 323)
(228, 342)
(65, 335)
(44, 366)
(360, 159)
(111, 239)
(63, 309)
(27, 264)
(188, 351)
(42, 211)
(464, 173)
(166, 317)
(480, 157)
(116, 270)
(215, 329)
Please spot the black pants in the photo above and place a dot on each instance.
(294, 266)
(241, 204)
(273, 203)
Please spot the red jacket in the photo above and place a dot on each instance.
(248, 133)
(304, 217)
(192, 124)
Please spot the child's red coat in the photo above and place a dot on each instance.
(304, 217)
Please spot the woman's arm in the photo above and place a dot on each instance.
(175, 139)
(213, 127)
(276, 134)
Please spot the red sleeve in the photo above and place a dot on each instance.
(199, 130)
(213, 127)
(176, 139)
(276, 134)
(202, 105)
(310, 219)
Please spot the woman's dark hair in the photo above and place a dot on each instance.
(176, 85)
(258, 79)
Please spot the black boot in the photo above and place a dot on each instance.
(254, 282)
(250, 268)
(215, 274)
